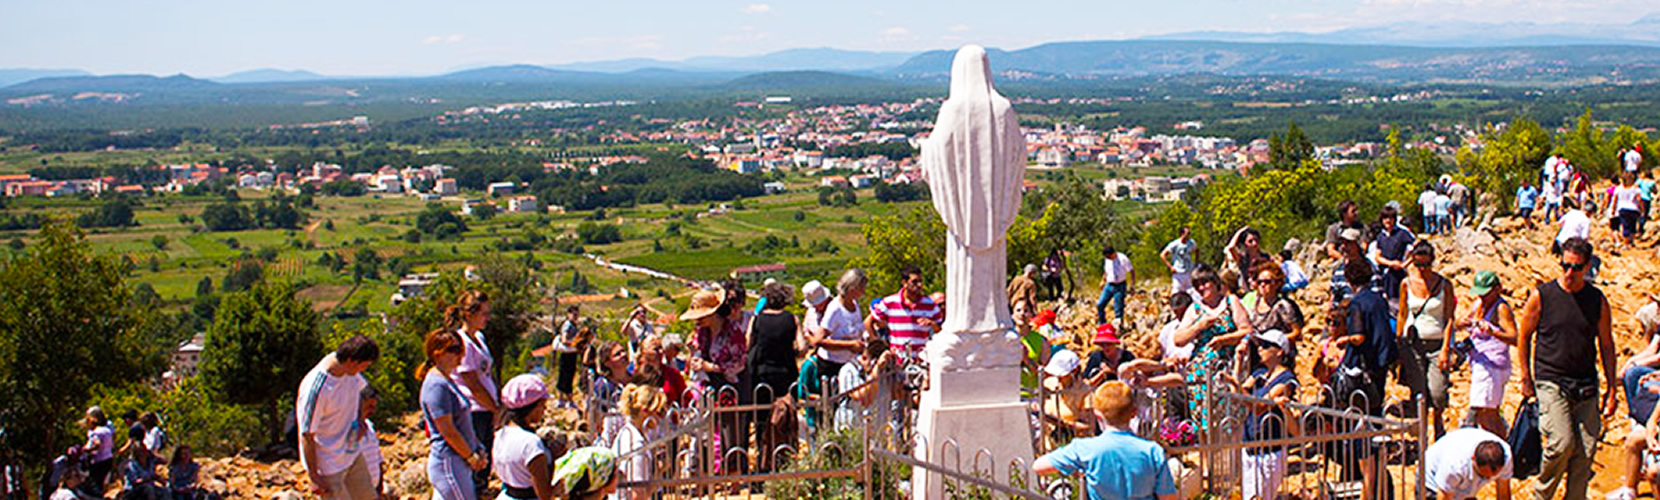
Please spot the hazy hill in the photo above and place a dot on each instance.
(823, 59)
(1645, 31)
(20, 75)
(270, 75)
(1538, 65)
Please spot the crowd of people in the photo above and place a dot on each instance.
(86, 471)
(1390, 316)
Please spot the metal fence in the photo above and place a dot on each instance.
(863, 446)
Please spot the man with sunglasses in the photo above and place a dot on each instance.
(1566, 332)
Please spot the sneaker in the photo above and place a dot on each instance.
(1623, 493)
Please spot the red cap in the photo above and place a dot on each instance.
(1044, 317)
(1106, 334)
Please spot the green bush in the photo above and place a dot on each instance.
(188, 416)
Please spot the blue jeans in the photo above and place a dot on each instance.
(1639, 400)
(1115, 292)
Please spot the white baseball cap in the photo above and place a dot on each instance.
(1275, 337)
(1062, 363)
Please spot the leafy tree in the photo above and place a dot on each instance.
(262, 342)
(344, 187)
(365, 265)
(113, 213)
(484, 211)
(514, 297)
(913, 237)
(440, 222)
(1290, 150)
(598, 234)
(226, 217)
(16, 243)
(159, 241)
(1506, 158)
(837, 197)
(67, 324)
(244, 274)
(204, 287)
(579, 283)
(1586, 149)
(891, 193)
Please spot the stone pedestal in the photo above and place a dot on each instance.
(972, 401)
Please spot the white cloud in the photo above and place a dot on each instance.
(896, 32)
(756, 8)
(443, 39)
(960, 28)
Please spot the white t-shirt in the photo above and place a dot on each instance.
(1628, 198)
(475, 359)
(635, 468)
(64, 493)
(155, 440)
(842, 324)
(1117, 269)
(1294, 274)
(511, 453)
(1443, 204)
(1550, 168)
(1633, 159)
(369, 446)
(1575, 223)
(1167, 341)
(1450, 463)
(1427, 201)
(327, 408)
(102, 441)
(847, 414)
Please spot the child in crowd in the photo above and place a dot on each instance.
(852, 379)
(368, 441)
(1295, 278)
(1116, 464)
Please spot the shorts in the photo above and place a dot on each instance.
(1487, 385)
(354, 483)
(1180, 282)
(1628, 222)
(1524, 212)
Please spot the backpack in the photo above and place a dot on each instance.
(1525, 441)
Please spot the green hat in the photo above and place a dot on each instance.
(585, 470)
(1485, 282)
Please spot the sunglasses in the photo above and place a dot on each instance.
(1423, 265)
(1574, 267)
(1264, 281)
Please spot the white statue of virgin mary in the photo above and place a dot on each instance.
(975, 160)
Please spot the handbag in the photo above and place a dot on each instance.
(1526, 445)
(1349, 379)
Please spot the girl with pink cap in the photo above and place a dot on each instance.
(519, 458)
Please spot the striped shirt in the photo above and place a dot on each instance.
(327, 409)
(906, 336)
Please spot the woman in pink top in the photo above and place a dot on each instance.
(475, 375)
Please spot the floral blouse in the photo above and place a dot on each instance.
(727, 349)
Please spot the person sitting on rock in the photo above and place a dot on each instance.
(1642, 389)
(1066, 404)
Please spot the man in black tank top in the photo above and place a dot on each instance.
(1566, 333)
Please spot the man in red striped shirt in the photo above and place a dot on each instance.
(910, 317)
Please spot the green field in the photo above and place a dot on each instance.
(342, 227)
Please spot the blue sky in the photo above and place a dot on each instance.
(414, 37)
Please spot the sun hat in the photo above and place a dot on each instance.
(523, 390)
(815, 293)
(1106, 334)
(1274, 337)
(704, 303)
(585, 470)
(1064, 362)
(1485, 282)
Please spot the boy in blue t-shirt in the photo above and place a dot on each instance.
(1116, 464)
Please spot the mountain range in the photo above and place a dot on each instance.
(826, 71)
